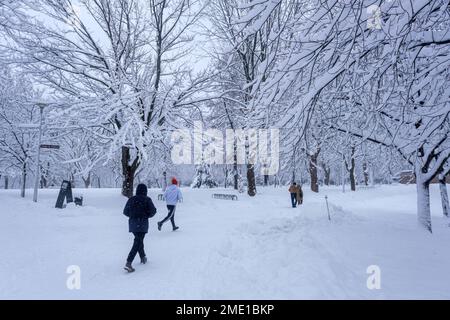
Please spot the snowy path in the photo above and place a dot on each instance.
(257, 248)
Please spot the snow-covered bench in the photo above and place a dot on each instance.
(225, 197)
(162, 198)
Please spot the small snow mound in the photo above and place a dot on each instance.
(341, 216)
(71, 206)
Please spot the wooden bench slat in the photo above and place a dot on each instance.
(225, 197)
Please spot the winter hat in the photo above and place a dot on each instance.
(141, 190)
(174, 181)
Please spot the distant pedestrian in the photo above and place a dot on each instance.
(138, 209)
(173, 196)
(299, 195)
(294, 191)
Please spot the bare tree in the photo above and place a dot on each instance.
(17, 117)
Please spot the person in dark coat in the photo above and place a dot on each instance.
(138, 209)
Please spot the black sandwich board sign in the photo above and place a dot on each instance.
(64, 193)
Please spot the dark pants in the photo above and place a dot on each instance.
(294, 200)
(170, 216)
(138, 246)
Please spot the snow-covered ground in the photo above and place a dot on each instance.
(250, 249)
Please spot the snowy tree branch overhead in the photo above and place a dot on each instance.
(112, 53)
(344, 81)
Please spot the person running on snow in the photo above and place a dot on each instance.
(294, 191)
(173, 196)
(138, 209)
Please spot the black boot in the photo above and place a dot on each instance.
(129, 268)
(144, 260)
(176, 228)
(159, 226)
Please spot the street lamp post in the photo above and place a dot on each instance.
(38, 162)
(164, 181)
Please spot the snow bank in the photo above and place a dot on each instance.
(248, 249)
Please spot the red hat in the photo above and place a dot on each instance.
(174, 181)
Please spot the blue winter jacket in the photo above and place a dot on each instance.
(139, 209)
(173, 195)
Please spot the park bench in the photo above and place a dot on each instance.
(231, 197)
(162, 198)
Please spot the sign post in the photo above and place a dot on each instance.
(38, 162)
(40, 146)
(164, 181)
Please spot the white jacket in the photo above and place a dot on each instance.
(173, 195)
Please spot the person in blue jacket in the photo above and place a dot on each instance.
(138, 209)
(173, 196)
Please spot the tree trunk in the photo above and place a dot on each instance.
(226, 177)
(72, 180)
(313, 171)
(327, 174)
(352, 175)
(6, 182)
(266, 180)
(87, 181)
(352, 179)
(444, 195)
(128, 183)
(45, 176)
(99, 183)
(128, 172)
(372, 177)
(423, 204)
(352, 171)
(366, 174)
(251, 180)
(24, 180)
(44, 182)
(236, 179)
(235, 167)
